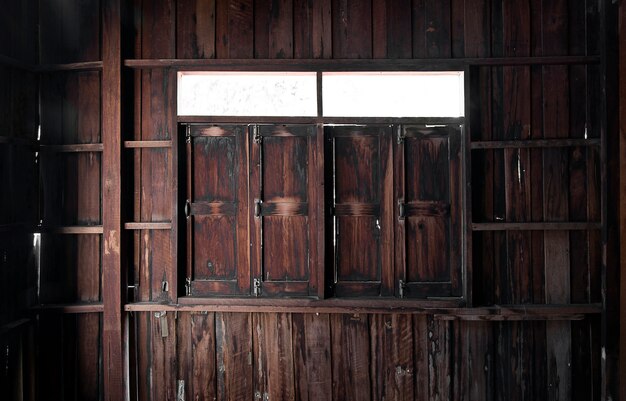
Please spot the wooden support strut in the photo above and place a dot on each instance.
(113, 356)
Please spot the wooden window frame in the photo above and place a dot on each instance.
(324, 293)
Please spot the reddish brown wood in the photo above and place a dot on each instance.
(234, 348)
(111, 198)
(351, 360)
(312, 356)
(273, 356)
(234, 29)
(352, 29)
(312, 29)
(195, 29)
(273, 29)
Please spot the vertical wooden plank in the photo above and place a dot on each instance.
(622, 187)
(438, 30)
(351, 360)
(195, 29)
(233, 339)
(440, 372)
(203, 369)
(273, 29)
(352, 28)
(556, 205)
(392, 367)
(113, 360)
(418, 18)
(312, 29)
(391, 26)
(185, 352)
(163, 368)
(457, 27)
(311, 355)
(476, 361)
(234, 29)
(273, 356)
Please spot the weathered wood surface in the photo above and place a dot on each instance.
(517, 185)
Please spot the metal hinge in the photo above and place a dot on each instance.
(401, 288)
(256, 287)
(257, 207)
(400, 134)
(188, 286)
(188, 134)
(256, 137)
(187, 208)
(401, 210)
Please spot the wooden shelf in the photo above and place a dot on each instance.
(12, 326)
(535, 143)
(564, 226)
(523, 312)
(353, 64)
(165, 225)
(80, 66)
(147, 144)
(442, 310)
(71, 308)
(73, 230)
(14, 63)
(73, 148)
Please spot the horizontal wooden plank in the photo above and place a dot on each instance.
(442, 310)
(73, 230)
(11, 140)
(213, 208)
(538, 226)
(92, 307)
(352, 64)
(82, 66)
(320, 120)
(356, 209)
(6, 61)
(523, 312)
(284, 209)
(535, 143)
(164, 225)
(147, 144)
(71, 148)
(18, 227)
(426, 209)
(14, 325)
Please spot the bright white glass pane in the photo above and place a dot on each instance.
(247, 94)
(393, 94)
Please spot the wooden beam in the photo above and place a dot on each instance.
(622, 192)
(112, 336)
(539, 226)
(353, 64)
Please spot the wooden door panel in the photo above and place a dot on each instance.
(358, 249)
(215, 169)
(427, 249)
(285, 162)
(214, 246)
(427, 169)
(286, 251)
(357, 169)
(362, 209)
(217, 190)
(283, 226)
(429, 207)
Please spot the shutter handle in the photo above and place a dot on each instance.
(257, 208)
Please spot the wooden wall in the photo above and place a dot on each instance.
(341, 356)
(18, 196)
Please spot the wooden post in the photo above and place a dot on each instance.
(113, 360)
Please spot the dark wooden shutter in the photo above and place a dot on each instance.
(428, 210)
(363, 210)
(217, 189)
(283, 193)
